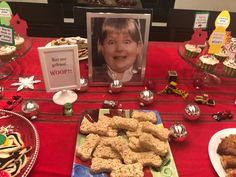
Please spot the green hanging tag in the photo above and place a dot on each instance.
(7, 35)
(5, 13)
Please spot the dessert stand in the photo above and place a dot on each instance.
(5, 64)
(209, 77)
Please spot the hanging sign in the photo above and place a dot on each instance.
(218, 36)
(60, 67)
(201, 20)
(5, 13)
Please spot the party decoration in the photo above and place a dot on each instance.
(83, 85)
(218, 36)
(173, 76)
(20, 26)
(178, 132)
(11, 104)
(222, 115)
(199, 37)
(146, 97)
(110, 104)
(5, 13)
(30, 109)
(192, 112)
(171, 88)
(68, 111)
(203, 99)
(115, 86)
(26, 83)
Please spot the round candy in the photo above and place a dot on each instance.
(2, 139)
(178, 132)
(192, 112)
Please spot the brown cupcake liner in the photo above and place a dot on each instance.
(229, 71)
(206, 67)
(220, 58)
(191, 54)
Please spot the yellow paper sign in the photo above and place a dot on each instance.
(218, 36)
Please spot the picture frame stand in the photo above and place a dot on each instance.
(64, 96)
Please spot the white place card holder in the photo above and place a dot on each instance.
(60, 68)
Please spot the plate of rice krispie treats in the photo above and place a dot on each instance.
(122, 143)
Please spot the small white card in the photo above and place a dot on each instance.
(5, 12)
(7, 35)
(60, 67)
(201, 19)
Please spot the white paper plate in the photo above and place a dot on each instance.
(212, 149)
(80, 58)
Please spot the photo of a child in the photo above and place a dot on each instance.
(118, 48)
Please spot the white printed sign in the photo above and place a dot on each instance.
(201, 20)
(60, 67)
(217, 38)
(7, 35)
(5, 12)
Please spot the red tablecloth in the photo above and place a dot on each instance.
(58, 133)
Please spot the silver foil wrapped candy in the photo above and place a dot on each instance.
(83, 85)
(192, 112)
(146, 97)
(115, 86)
(178, 132)
(30, 109)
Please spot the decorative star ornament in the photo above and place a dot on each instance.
(26, 83)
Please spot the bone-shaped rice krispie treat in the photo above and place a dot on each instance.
(129, 170)
(136, 133)
(149, 159)
(101, 128)
(105, 151)
(120, 146)
(135, 145)
(153, 144)
(85, 150)
(100, 165)
(159, 132)
(144, 116)
(124, 123)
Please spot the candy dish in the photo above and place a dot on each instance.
(29, 135)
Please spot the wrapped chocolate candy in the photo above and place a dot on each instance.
(178, 132)
(30, 109)
(115, 86)
(83, 85)
(192, 112)
(146, 97)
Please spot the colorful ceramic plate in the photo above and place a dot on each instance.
(81, 168)
(212, 149)
(84, 39)
(29, 135)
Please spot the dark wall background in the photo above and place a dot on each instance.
(47, 20)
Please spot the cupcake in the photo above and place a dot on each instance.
(222, 55)
(230, 67)
(7, 52)
(19, 42)
(208, 62)
(192, 50)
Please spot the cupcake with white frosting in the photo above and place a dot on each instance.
(19, 42)
(222, 54)
(208, 62)
(192, 50)
(7, 52)
(230, 67)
